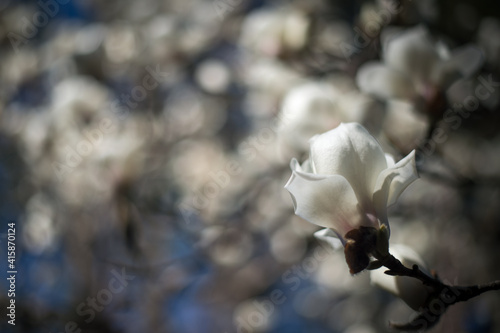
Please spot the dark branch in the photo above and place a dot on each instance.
(441, 297)
(396, 268)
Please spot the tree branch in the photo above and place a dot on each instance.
(441, 297)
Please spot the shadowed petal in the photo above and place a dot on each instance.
(327, 201)
(391, 182)
(329, 236)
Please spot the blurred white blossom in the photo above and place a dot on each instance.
(415, 68)
(318, 106)
(273, 32)
(414, 76)
(307, 110)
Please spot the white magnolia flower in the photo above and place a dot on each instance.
(412, 291)
(416, 68)
(348, 182)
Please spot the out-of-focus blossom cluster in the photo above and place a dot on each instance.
(155, 138)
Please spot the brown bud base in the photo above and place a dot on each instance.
(360, 243)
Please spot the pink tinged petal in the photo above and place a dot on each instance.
(331, 237)
(350, 151)
(413, 53)
(327, 201)
(386, 83)
(391, 183)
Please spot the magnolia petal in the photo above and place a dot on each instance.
(403, 174)
(295, 165)
(327, 201)
(391, 183)
(351, 152)
(305, 167)
(384, 82)
(390, 160)
(329, 236)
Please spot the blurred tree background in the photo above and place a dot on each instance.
(145, 146)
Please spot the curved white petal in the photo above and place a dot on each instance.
(329, 236)
(327, 201)
(401, 175)
(384, 82)
(350, 151)
(413, 53)
(391, 182)
(305, 167)
(390, 160)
